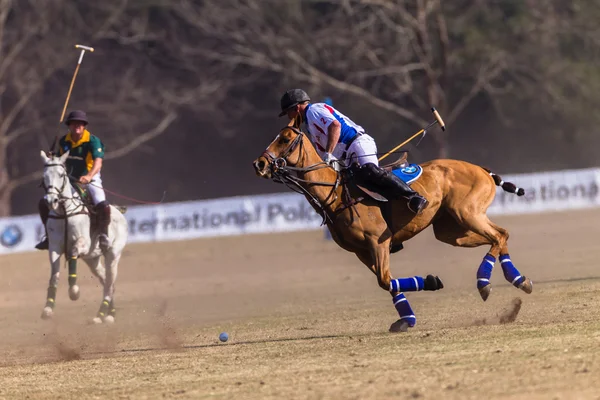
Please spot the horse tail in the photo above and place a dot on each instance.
(506, 186)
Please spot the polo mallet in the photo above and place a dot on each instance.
(62, 116)
(438, 120)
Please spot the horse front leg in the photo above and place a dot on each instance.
(48, 311)
(79, 247)
(107, 311)
(377, 259)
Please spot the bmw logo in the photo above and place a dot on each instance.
(11, 236)
(411, 169)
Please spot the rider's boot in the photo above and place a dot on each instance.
(393, 187)
(103, 215)
(44, 213)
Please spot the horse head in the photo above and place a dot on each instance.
(56, 180)
(290, 147)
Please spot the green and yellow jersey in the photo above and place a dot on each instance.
(82, 153)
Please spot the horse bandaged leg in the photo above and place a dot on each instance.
(484, 273)
(103, 311)
(112, 309)
(512, 274)
(415, 284)
(412, 284)
(51, 296)
(73, 287)
(404, 309)
(72, 271)
(52, 285)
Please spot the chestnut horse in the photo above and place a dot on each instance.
(459, 194)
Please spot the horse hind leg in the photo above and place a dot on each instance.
(447, 230)
(511, 273)
(107, 312)
(97, 269)
(478, 231)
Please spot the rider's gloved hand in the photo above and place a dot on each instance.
(332, 161)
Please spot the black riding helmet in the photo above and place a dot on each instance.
(291, 98)
(76, 115)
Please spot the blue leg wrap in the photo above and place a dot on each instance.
(404, 310)
(511, 274)
(413, 284)
(484, 273)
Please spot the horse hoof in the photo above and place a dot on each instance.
(97, 320)
(47, 313)
(432, 283)
(526, 286)
(399, 326)
(109, 319)
(485, 291)
(74, 292)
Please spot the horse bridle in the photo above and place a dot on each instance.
(58, 192)
(276, 163)
(281, 173)
(52, 187)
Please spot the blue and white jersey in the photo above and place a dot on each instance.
(318, 118)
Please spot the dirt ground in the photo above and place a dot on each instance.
(306, 320)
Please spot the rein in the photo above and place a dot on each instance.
(282, 173)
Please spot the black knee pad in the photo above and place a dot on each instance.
(102, 204)
(367, 171)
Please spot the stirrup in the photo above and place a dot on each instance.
(43, 245)
(417, 208)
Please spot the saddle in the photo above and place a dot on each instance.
(89, 204)
(399, 163)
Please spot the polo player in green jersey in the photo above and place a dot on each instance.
(86, 153)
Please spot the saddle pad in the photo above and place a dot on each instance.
(408, 173)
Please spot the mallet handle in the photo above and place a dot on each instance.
(69, 94)
(438, 119)
(401, 144)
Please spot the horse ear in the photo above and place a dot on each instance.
(44, 156)
(297, 122)
(63, 158)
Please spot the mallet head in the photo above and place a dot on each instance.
(439, 119)
(82, 47)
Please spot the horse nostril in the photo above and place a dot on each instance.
(260, 165)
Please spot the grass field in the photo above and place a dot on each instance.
(307, 321)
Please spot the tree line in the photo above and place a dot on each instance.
(186, 93)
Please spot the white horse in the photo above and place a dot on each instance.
(69, 234)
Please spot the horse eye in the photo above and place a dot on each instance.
(285, 140)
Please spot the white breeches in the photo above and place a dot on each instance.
(96, 190)
(363, 150)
